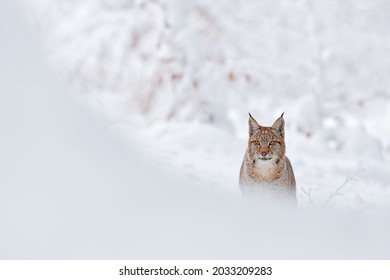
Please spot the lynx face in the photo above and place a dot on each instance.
(266, 144)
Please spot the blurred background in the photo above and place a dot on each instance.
(188, 72)
(102, 94)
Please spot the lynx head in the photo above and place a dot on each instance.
(266, 143)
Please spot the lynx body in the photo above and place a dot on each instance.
(265, 168)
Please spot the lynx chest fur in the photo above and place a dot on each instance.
(265, 166)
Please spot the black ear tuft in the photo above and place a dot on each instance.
(282, 115)
(253, 125)
(279, 126)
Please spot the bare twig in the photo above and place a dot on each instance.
(347, 180)
(337, 192)
(308, 194)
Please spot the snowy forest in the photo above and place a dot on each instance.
(188, 72)
(171, 83)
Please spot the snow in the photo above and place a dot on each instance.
(140, 156)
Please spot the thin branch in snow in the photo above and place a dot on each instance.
(308, 194)
(337, 191)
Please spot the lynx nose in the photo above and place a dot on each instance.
(263, 153)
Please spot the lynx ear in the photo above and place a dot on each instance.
(253, 125)
(279, 125)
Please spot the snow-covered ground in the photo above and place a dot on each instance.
(152, 170)
(325, 177)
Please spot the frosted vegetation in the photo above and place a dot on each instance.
(156, 173)
(187, 73)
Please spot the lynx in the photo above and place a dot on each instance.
(265, 168)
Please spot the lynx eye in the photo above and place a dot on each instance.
(272, 143)
(256, 143)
